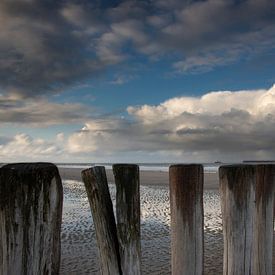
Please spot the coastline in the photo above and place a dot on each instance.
(147, 178)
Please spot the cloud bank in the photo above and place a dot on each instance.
(40, 112)
(22, 147)
(226, 125)
(223, 125)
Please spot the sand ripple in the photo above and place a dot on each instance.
(79, 250)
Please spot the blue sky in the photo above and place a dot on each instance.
(146, 81)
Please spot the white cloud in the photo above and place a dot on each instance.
(121, 79)
(203, 63)
(258, 103)
(22, 147)
(75, 14)
(60, 137)
(223, 123)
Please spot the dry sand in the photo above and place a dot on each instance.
(79, 249)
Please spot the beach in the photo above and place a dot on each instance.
(147, 178)
(79, 248)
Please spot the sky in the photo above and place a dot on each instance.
(137, 81)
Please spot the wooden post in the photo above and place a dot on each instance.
(31, 197)
(186, 202)
(96, 185)
(237, 188)
(128, 216)
(263, 238)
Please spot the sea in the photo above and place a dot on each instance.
(212, 167)
(163, 167)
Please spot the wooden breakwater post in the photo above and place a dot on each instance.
(128, 216)
(237, 189)
(247, 197)
(263, 220)
(31, 197)
(186, 202)
(96, 185)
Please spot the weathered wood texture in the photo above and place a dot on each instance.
(263, 221)
(186, 202)
(96, 185)
(31, 197)
(247, 196)
(128, 216)
(237, 188)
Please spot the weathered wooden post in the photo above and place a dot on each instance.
(31, 197)
(263, 222)
(237, 188)
(128, 216)
(96, 185)
(186, 201)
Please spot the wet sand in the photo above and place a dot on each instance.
(148, 178)
(79, 249)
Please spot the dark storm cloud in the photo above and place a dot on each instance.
(40, 112)
(39, 51)
(46, 46)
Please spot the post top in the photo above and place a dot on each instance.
(232, 167)
(185, 165)
(29, 166)
(93, 168)
(236, 165)
(125, 165)
(241, 166)
(33, 174)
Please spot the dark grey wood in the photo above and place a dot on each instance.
(31, 197)
(263, 221)
(237, 188)
(128, 216)
(96, 185)
(186, 202)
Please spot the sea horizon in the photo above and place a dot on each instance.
(209, 167)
